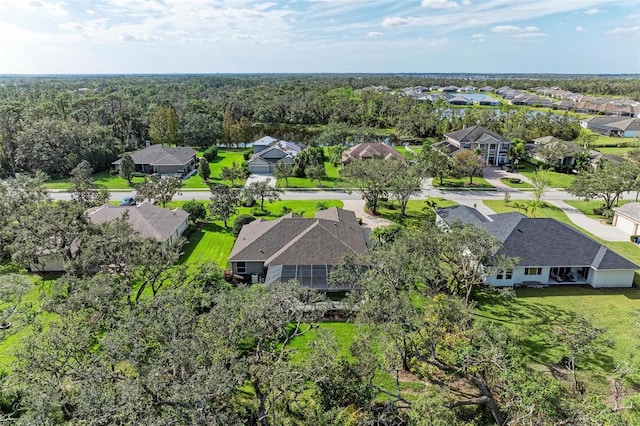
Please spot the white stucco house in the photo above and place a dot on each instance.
(627, 218)
(549, 252)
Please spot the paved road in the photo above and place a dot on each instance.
(472, 198)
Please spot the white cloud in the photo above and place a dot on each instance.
(374, 34)
(580, 29)
(518, 32)
(396, 21)
(594, 11)
(478, 38)
(506, 29)
(627, 30)
(439, 4)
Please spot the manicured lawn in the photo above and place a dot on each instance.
(332, 179)
(610, 140)
(586, 207)
(521, 185)
(225, 158)
(533, 313)
(404, 151)
(557, 180)
(212, 242)
(478, 182)
(101, 179)
(621, 151)
(416, 213)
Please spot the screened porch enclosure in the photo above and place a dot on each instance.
(310, 276)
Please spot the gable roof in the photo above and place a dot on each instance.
(290, 149)
(293, 240)
(146, 219)
(264, 141)
(371, 150)
(539, 242)
(631, 210)
(474, 134)
(160, 155)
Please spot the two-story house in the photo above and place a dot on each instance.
(493, 147)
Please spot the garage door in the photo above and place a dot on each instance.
(625, 224)
(259, 168)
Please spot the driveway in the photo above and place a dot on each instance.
(260, 178)
(600, 230)
(494, 174)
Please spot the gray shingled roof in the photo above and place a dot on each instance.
(473, 134)
(146, 219)
(632, 210)
(292, 240)
(371, 150)
(539, 242)
(160, 155)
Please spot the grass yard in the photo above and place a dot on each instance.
(225, 158)
(533, 314)
(478, 182)
(408, 153)
(416, 212)
(586, 207)
(331, 180)
(521, 185)
(557, 180)
(621, 151)
(613, 141)
(212, 242)
(103, 180)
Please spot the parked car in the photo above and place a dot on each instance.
(570, 276)
(128, 201)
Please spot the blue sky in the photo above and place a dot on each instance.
(246, 36)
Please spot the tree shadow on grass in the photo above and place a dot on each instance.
(535, 323)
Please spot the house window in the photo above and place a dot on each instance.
(492, 146)
(507, 275)
(466, 145)
(505, 147)
(241, 267)
(532, 271)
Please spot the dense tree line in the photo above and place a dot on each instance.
(130, 336)
(51, 124)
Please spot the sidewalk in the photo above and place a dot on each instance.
(600, 230)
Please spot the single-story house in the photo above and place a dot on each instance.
(369, 150)
(267, 155)
(566, 151)
(449, 89)
(549, 252)
(486, 89)
(613, 126)
(627, 218)
(294, 247)
(488, 101)
(458, 100)
(164, 160)
(147, 220)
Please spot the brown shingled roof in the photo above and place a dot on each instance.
(371, 150)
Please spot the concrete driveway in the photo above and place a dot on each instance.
(493, 175)
(260, 178)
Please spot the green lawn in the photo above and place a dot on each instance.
(610, 140)
(416, 212)
(521, 185)
(331, 180)
(478, 182)
(103, 180)
(533, 313)
(403, 150)
(212, 242)
(621, 151)
(225, 158)
(557, 180)
(586, 207)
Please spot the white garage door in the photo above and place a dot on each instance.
(625, 224)
(259, 168)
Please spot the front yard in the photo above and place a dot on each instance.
(225, 158)
(449, 182)
(557, 180)
(331, 180)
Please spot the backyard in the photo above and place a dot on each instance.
(416, 213)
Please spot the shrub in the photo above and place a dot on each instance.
(257, 211)
(515, 180)
(322, 205)
(240, 221)
(248, 201)
(285, 210)
(211, 153)
(247, 154)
